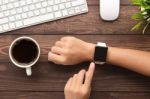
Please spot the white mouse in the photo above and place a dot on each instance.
(109, 9)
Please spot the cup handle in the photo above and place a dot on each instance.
(28, 71)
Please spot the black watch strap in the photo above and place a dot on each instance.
(100, 53)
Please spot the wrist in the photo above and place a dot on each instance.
(89, 53)
(109, 55)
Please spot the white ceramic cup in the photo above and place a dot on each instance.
(29, 65)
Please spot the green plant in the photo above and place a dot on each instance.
(143, 16)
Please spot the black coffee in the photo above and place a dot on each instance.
(25, 51)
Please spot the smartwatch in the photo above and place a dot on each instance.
(100, 54)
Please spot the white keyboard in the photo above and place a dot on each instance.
(16, 14)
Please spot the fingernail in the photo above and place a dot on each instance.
(92, 65)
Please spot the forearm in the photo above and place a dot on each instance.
(138, 61)
(63, 50)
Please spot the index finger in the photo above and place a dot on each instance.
(89, 74)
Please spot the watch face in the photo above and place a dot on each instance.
(100, 53)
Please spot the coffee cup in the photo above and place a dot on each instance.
(24, 52)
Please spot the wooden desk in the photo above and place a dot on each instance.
(48, 80)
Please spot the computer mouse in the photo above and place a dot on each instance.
(109, 9)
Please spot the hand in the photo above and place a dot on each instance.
(70, 51)
(75, 88)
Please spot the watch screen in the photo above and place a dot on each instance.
(100, 53)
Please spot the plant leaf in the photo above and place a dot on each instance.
(143, 16)
(138, 16)
(146, 27)
(137, 26)
(136, 2)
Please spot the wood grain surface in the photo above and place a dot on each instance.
(48, 79)
(57, 95)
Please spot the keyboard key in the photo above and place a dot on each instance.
(57, 1)
(61, 6)
(55, 8)
(19, 23)
(31, 7)
(50, 2)
(5, 26)
(1, 14)
(58, 14)
(1, 29)
(25, 9)
(16, 4)
(0, 2)
(10, 6)
(77, 9)
(30, 14)
(28, 1)
(83, 8)
(63, 1)
(12, 25)
(3, 7)
(71, 11)
(22, 3)
(6, 13)
(24, 15)
(35, 1)
(11, 18)
(37, 12)
(77, 2)
(19, 10)
(38, 5)
(18, 17)
(49, 9)
(68, 5)
(43, 10)
(44, 4)
(38, 19)
(13, 11)
(65, 12)
(3, 20)
(5, 1)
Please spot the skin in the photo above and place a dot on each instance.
(63, 50)
(75, 88)
(138, 61)
(70, 51)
